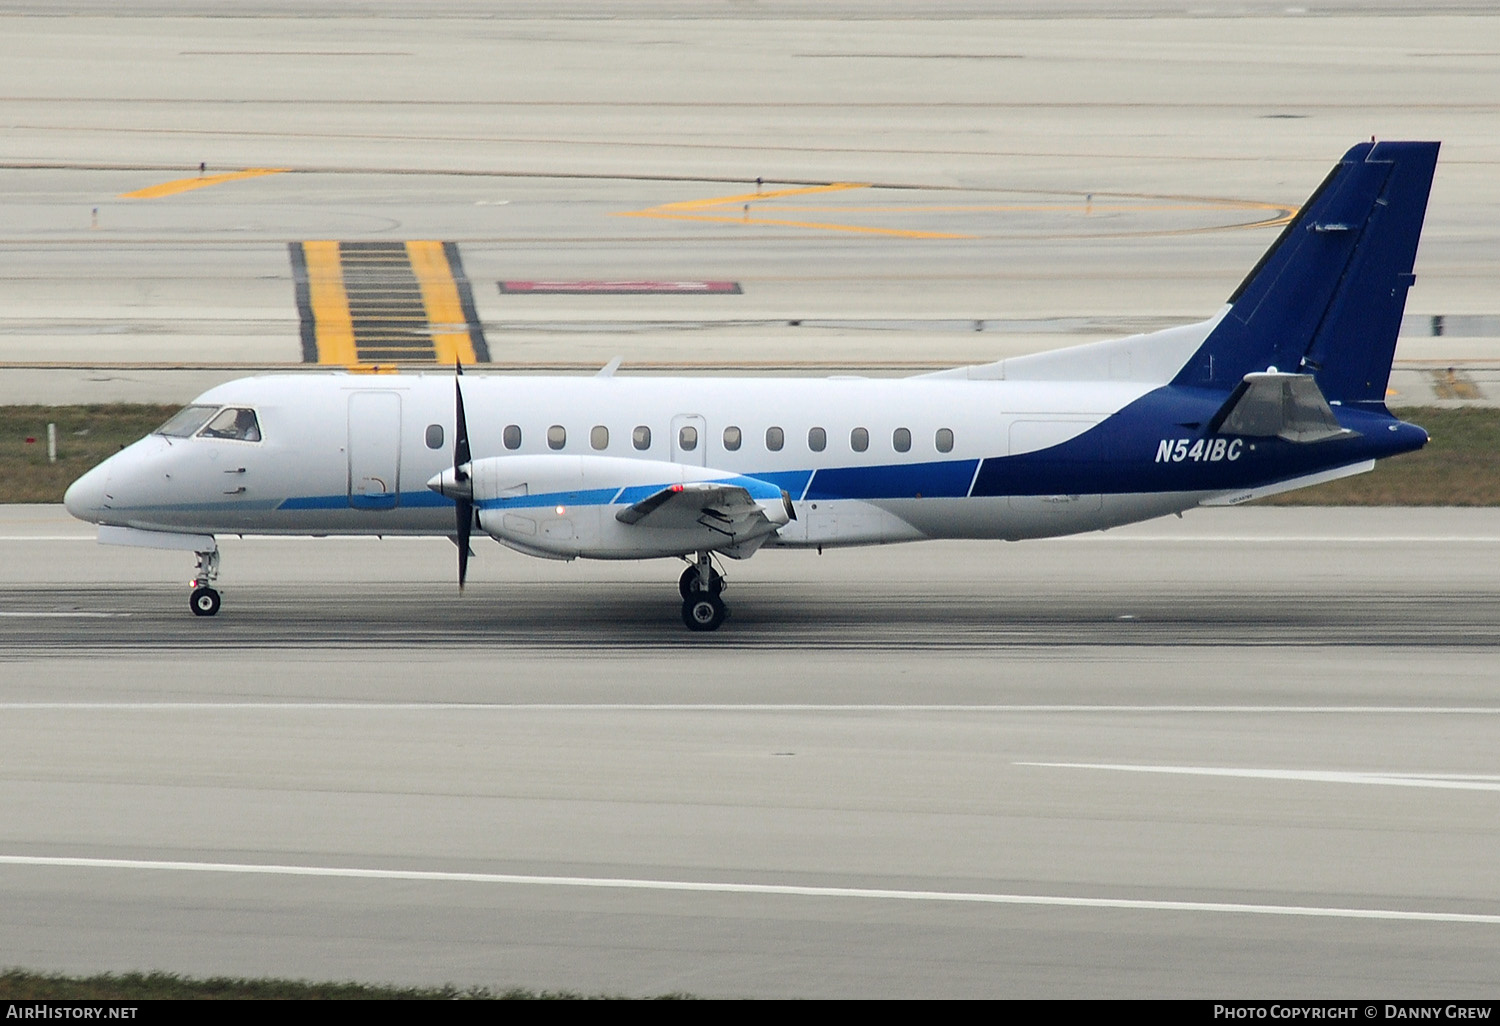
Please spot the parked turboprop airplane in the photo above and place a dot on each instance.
(1284, 388)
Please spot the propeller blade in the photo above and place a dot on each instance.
(463, 507)
(465, 521)
(461, 428)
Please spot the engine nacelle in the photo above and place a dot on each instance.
(563, 507)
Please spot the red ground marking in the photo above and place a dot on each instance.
(620, 288)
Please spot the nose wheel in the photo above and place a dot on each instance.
(205, 600)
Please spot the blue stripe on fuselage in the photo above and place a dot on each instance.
(793, 482)
(407, 500)
(580, 497)
(942, 479)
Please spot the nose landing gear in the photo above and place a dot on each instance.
(205, 600)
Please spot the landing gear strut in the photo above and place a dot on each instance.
(700, 585)
(691, 582)
(205, 600)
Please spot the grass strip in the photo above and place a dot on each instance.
(86, 436)
(1460, 466)
(24, 985)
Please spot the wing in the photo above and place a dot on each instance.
(723, 508)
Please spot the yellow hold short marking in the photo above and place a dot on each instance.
(450, 329)
(330, 303)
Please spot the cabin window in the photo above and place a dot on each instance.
(687, 438)
(775, 438)
(234, 422)
(944, 440)
(512, 436)
(901, 439)
(817, 439)
(599, 437)
(641, 437)
(557, 436)
(186, 420)
(434, 436)
(732, 439)
(859, 439)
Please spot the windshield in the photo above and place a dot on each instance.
(235, 422)
(186, 420)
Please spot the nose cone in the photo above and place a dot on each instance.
(86, 497)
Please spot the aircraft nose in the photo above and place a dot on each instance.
(85, 497)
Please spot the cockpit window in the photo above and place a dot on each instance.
(186, 420)
(233, 422)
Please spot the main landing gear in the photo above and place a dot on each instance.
(700, 585)
(205, 600)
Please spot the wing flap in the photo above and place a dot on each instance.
(725, 508)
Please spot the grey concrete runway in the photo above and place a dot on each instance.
(1047, 179)
(1250, 753)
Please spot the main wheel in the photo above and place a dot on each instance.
(205, 602)
(687, 584)
(703, 612)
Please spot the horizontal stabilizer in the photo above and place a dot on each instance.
(1274, 405)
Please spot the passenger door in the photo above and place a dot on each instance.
(374, 450)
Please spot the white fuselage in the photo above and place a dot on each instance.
(353, 454)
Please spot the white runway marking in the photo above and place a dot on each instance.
(65, 615)
(1279, 539)
(47, 537)
(270, 706)
(783, 890)
(1096, 536)
(1449, 781)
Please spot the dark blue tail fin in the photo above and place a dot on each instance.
(1327, 297)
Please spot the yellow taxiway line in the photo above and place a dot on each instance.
(750, 202)
(904, 233)
(1097, 207)
(200, 182)
(748, 197)
(688, 210)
